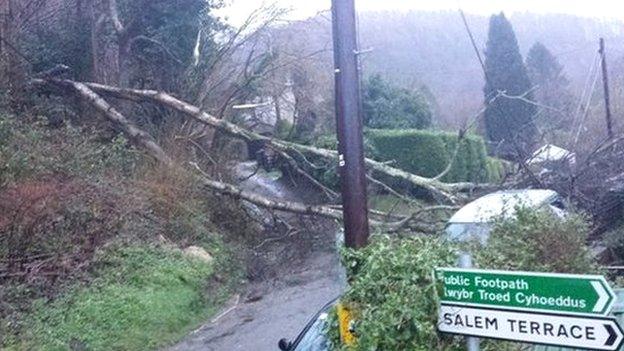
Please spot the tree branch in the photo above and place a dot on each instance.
(161, 45)
(446, 192)
(134, 134)
(145, 141)
(288, 206)
(114, 16)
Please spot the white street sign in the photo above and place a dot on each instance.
(595, 333)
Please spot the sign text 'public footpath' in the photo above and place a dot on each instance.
(557, 293)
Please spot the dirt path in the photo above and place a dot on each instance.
(292, 275)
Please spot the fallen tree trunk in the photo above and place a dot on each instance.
(143, 140)
(131, 131)
(448, 192)
(256, 199)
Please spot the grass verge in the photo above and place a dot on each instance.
(141, 298)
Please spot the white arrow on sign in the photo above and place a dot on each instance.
(595, 333)
(603, 296)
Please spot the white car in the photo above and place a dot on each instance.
(474, 221)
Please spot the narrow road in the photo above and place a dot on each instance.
(283, 312)
(292, 278)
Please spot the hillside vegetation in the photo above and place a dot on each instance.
(94, 247)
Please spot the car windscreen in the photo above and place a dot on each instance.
(315, 338)
(464, 232)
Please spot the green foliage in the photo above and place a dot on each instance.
(428, 153)
(327, 172)
(614, 243)
(507, 120)
(423, 152)
(66, 40)
(496, 169)
(142, 298)
(64, 195)
(180, 26)
(387, 107)
(392, 204)
(395, 295)
(543, 67)
(536, 240)
(174, 23)
(283, 129)
(28, 149)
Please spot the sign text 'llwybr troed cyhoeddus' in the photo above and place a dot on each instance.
(557, 293)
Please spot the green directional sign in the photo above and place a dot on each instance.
(555, 293)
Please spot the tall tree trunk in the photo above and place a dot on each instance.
(106, 69)
(13, 66)
(4, 29)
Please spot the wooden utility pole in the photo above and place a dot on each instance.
(349, 124)
(605, 84)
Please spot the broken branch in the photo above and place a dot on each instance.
(447, 192)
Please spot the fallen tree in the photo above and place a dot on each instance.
(444, 192)
(385, 221)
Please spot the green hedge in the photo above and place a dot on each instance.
(497, 168)
(427, 153)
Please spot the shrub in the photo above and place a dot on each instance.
(387, 106)
(395, 294)
(428, 153)
(283, 129)
(50, 227)
(496, 169)
(535, 240)
(328, 170)
(613, 241)
(29, 149)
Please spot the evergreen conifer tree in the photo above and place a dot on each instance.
(508, 121)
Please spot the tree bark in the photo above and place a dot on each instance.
(12, 70)
(105, 52)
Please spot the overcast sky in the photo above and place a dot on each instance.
(238, 10)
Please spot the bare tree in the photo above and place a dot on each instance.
(89, 92)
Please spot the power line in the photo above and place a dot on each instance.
(586, 110)
(474, 46)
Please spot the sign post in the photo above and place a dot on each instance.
(472, 343)
(542, 308)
